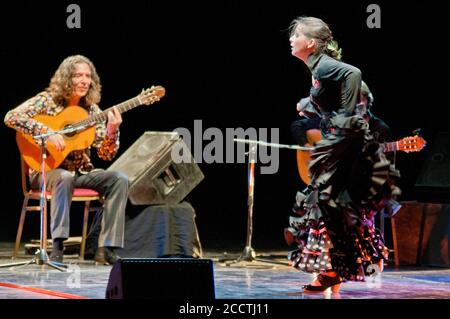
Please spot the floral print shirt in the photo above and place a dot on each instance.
(21, 119)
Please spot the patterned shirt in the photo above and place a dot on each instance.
(21, 119)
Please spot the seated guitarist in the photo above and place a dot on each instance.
(76, 82)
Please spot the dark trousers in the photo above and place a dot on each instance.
(113, 186)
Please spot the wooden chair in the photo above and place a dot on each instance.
(79, 195)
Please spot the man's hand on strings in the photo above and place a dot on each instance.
(114, 121)
(57, 141)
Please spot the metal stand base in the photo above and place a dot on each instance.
(40, 258)
(249, 255)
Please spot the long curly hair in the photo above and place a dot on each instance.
(61, 89)
(317, 29)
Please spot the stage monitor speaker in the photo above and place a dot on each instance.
(154, 177)
(162, 279)
(433, 184)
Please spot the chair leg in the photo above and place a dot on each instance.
(20, 229)
(394, 240)
(84, 232)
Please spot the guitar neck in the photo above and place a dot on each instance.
(103, 116)
(389, 147)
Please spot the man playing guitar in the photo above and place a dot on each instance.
(76, 83)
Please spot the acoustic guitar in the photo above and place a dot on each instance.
(407, 144)
(74, 117)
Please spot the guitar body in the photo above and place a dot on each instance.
(78, 118)
(74, 141)
(303, 157)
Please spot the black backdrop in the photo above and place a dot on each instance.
(227, 63)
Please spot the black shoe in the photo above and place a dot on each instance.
(105, 256)
(56, 255)
(325, 282)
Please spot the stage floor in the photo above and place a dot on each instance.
(269, 277)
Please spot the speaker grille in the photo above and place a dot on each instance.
(143, 153)
(162, 278)
(154, 177)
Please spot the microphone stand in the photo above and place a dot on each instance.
(41, 257)
(249, 253)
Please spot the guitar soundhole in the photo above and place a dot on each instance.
(69, 134)
(72, 134)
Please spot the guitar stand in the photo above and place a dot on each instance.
(41, 257)
(249, 254)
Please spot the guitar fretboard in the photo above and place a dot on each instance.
(390, 147)
(103, 116)
(407, 144)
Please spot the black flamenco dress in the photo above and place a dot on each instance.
(351, 179)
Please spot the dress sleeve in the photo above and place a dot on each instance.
(307, 107)
(349, 79)
(351, 88)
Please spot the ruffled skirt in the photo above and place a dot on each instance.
(332, 220)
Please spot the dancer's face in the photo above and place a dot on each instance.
(301, 45)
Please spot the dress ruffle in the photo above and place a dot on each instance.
(331, 222)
